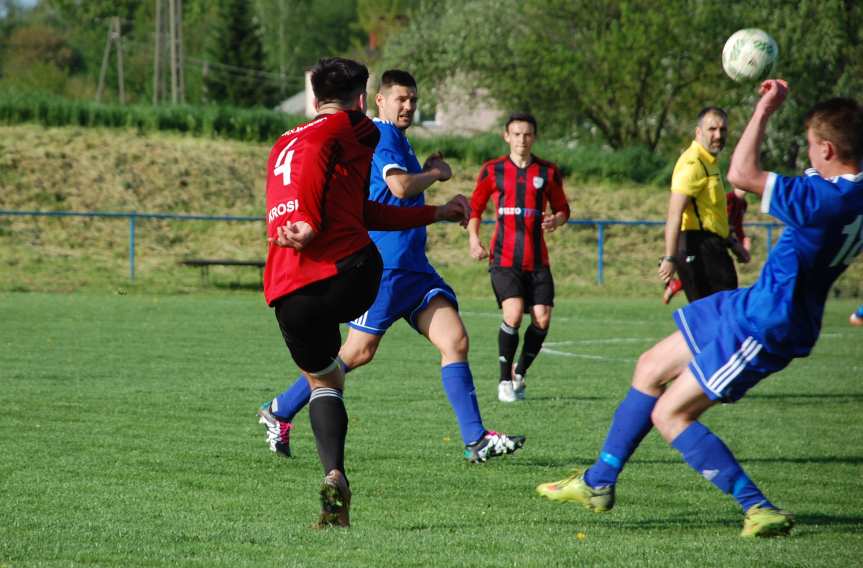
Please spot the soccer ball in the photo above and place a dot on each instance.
(749, 55)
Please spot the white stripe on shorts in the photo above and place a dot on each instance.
(686, 330)
(735, 365)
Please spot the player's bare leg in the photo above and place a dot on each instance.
(595, 488)
(359, 348)
(676, 418)
(442, 325)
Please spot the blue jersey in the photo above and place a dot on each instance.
(406, 249)
(823, 234)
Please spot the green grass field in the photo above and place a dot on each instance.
(128, 437)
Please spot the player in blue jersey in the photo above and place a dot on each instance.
(410, 287)
(856, 317)
(730, 341)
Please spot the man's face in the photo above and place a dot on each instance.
(712, 133)
(397, 104)
(520, 137)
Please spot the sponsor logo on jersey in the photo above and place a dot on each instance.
(302, 127)
(282, 209)
(517, 211)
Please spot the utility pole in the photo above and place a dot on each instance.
(115, 38)
(178, 81)
(157, 52)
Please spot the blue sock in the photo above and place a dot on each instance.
(458, 385)
(630, 425)
(286, 405)
(706, 454)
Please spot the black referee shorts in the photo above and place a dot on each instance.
(704, 264)
(309, 317)
(535, 287)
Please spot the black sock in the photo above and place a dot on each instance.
(533, 339)
(330, 425)
(507, 345)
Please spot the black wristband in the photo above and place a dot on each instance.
(670, 259)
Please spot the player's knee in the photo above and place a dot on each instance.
(668, 422)
(542, 321)
(512, 319)
(648, 373)
(455, 346)
(358, 355)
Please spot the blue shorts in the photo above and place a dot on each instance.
(402, 294)
(726, 360)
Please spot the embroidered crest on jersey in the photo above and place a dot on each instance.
(538, 182)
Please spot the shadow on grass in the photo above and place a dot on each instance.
(830, 520)
(255, 287)
(806, 396)
(570, 398)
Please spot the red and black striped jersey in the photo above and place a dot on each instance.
(520, 197)
(319, 173)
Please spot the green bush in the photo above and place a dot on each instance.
(251, 125)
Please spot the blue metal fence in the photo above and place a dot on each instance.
(134, 216)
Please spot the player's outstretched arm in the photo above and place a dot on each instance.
(381, 217)
(456, 210)
(745, 170)
(404, 185)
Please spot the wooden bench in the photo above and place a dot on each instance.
(205, 263)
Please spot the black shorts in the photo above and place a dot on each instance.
(309, 317)
(704, 264)
(535, 287)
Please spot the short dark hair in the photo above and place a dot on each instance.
(393, 77)
(521, 117)
(711, 110)
(839, 121)
(335, 79)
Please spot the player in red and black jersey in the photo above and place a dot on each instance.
(522, 187)
(322, 268)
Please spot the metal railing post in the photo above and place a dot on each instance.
(600, 249)
(132, 246)
(769, 238)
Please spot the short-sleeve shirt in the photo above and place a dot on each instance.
(696, 175)
(520, 197)
(403, 250)
(823, 234)
(317, 173)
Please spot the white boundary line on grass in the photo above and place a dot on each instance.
(586, 356)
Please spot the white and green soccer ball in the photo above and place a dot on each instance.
(749, 55)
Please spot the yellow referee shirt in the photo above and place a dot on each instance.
(696, 175)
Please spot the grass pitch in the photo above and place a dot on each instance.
(128, 437)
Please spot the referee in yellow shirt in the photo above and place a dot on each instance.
(696, 230)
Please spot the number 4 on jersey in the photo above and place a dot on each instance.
(853, 242)
(283, 163)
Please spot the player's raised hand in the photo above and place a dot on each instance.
(456, 210)
(436, 163)
(772, 92)
(293, 235)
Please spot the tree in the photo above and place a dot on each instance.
(631, 72)
(237, 65)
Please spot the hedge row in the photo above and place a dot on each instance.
(251, 125)
(635, 164)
